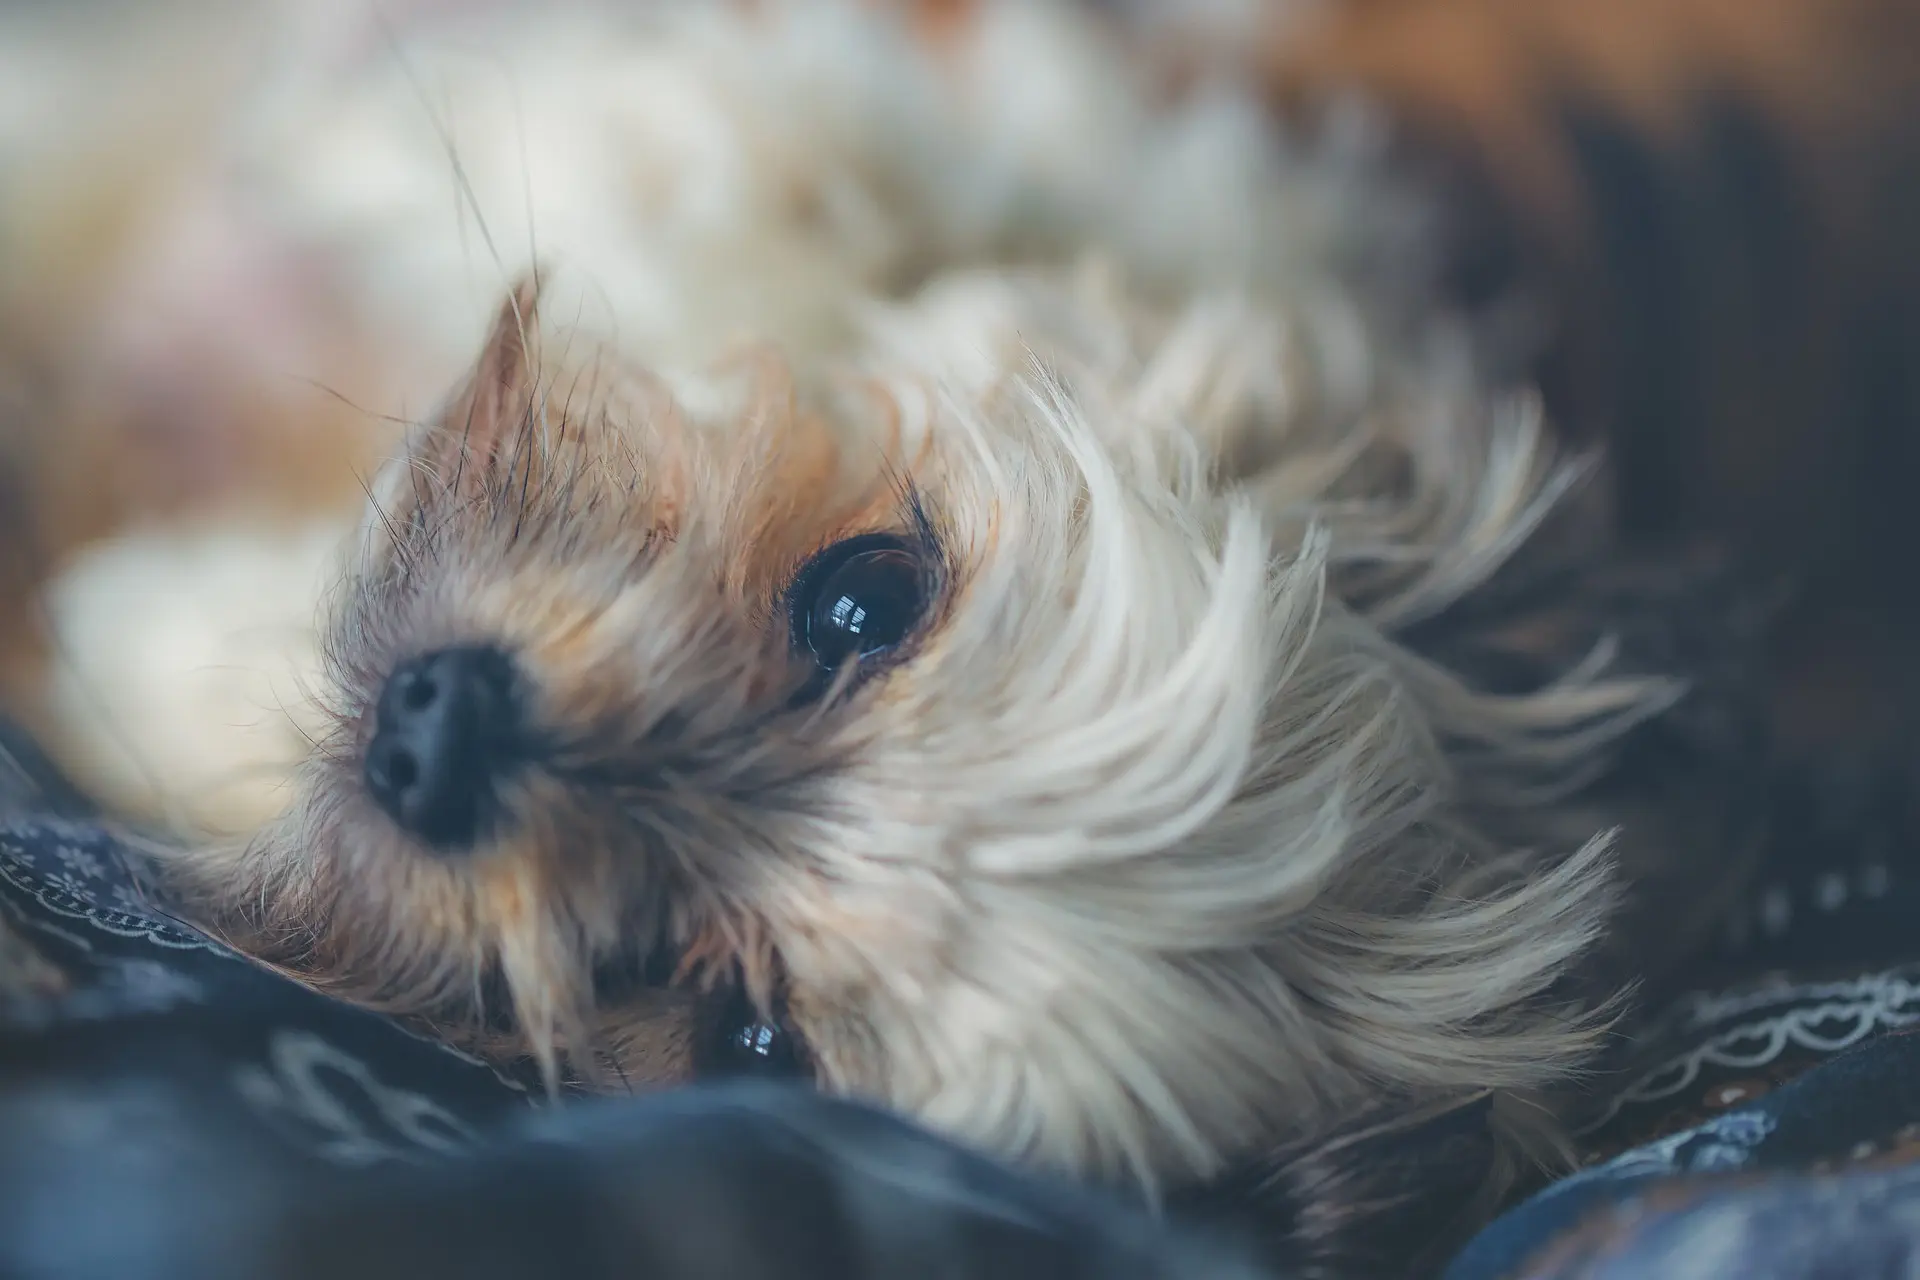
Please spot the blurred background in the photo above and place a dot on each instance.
(1703, 214)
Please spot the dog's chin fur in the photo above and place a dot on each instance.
(1159, 845)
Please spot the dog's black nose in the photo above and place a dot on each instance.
(444, 730)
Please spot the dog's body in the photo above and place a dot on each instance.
(1246, 705)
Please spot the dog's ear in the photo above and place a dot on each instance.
(486, 421)
(1389, 1193)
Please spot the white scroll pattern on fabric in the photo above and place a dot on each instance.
(1824, 1018)
(72, 891)
(314, 1085)
(70, 885)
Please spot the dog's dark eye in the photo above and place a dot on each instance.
(740, 1042)
(857, 598)
(757, 1048)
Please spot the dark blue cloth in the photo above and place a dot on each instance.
(1772, 1130)
(1818, 1178)
(151, 995)
(182, 1112)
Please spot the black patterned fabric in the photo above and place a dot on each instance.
(1771, 1129)
(178, 1111)
(1818, 1178)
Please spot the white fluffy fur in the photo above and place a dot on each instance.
(1161, 853)
(188, 665)
(1185, 773)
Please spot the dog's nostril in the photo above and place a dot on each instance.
(444, 730)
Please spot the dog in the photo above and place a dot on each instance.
(964, 569)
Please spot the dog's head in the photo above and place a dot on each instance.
(1005, 731)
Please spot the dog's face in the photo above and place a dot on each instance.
(966, 735)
